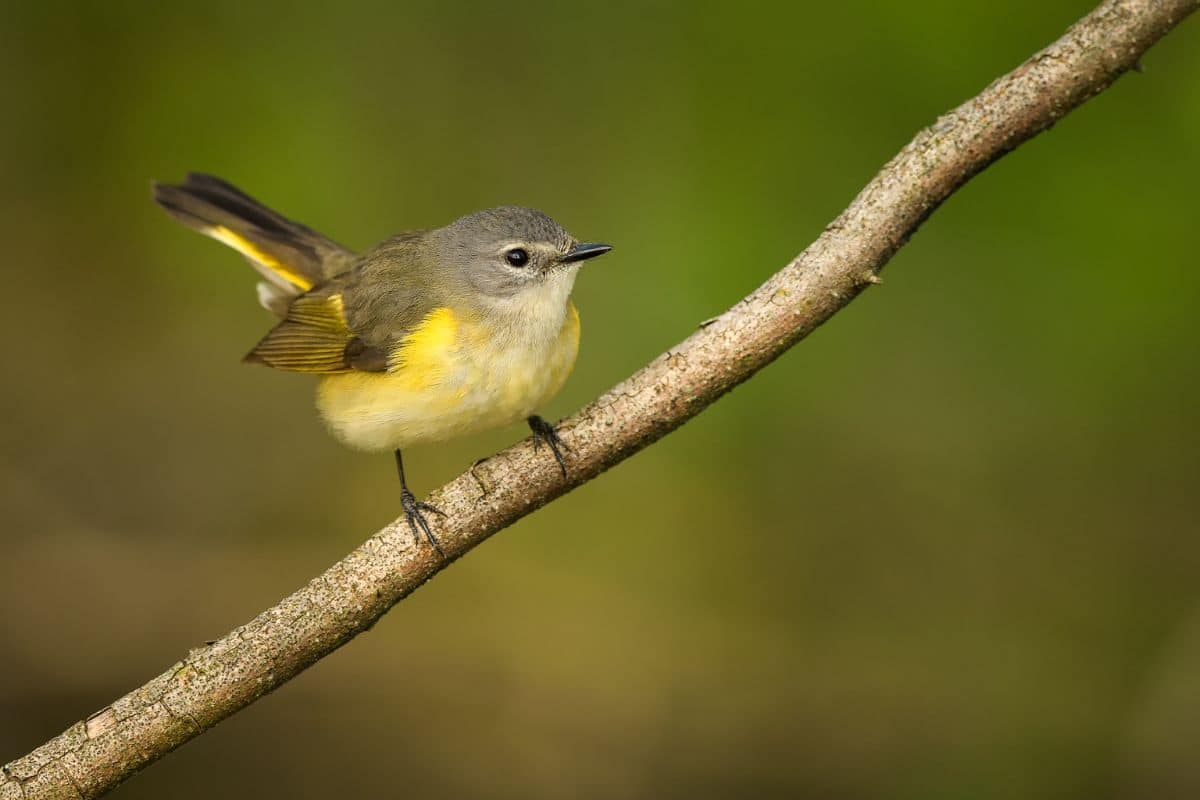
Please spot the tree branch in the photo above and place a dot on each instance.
(216, 680)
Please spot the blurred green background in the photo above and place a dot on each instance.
(946, 548)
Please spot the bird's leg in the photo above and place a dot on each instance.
(413, 508)
(544, 432)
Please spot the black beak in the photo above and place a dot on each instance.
(582, 252)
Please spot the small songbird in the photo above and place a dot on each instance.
(430, 335)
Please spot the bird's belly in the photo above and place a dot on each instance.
(462, 391)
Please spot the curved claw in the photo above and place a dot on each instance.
(544, 432)
(422, 506)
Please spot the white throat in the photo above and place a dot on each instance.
(534, 316)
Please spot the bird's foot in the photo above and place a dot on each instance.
(544, 432)
(413, 509)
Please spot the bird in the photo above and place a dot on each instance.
(430, 335)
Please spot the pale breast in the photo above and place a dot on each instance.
(454, 376)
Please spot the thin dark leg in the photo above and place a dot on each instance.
(413, 508)
(544, 432)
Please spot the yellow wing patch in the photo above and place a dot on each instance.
(313, 338)
(250, 250)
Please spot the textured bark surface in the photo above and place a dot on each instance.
(215, 680)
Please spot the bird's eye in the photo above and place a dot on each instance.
(518, 256)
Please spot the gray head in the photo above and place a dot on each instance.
(509, 251)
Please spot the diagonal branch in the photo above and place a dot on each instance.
(218, 679)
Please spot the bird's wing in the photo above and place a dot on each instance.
(351, 323)
(315, 337)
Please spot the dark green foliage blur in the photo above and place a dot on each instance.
(947, 548)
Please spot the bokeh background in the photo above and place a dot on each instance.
(948, 547)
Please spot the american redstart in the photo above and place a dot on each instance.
(430, 335)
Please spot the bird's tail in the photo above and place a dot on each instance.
(291, 257)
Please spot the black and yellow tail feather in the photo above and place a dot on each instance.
(299, 266)
(291, 256)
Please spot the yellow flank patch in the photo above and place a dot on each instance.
(249, 250)
(422, 357)
(451, 376)
(571, 327)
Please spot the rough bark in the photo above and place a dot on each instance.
(218, 679)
